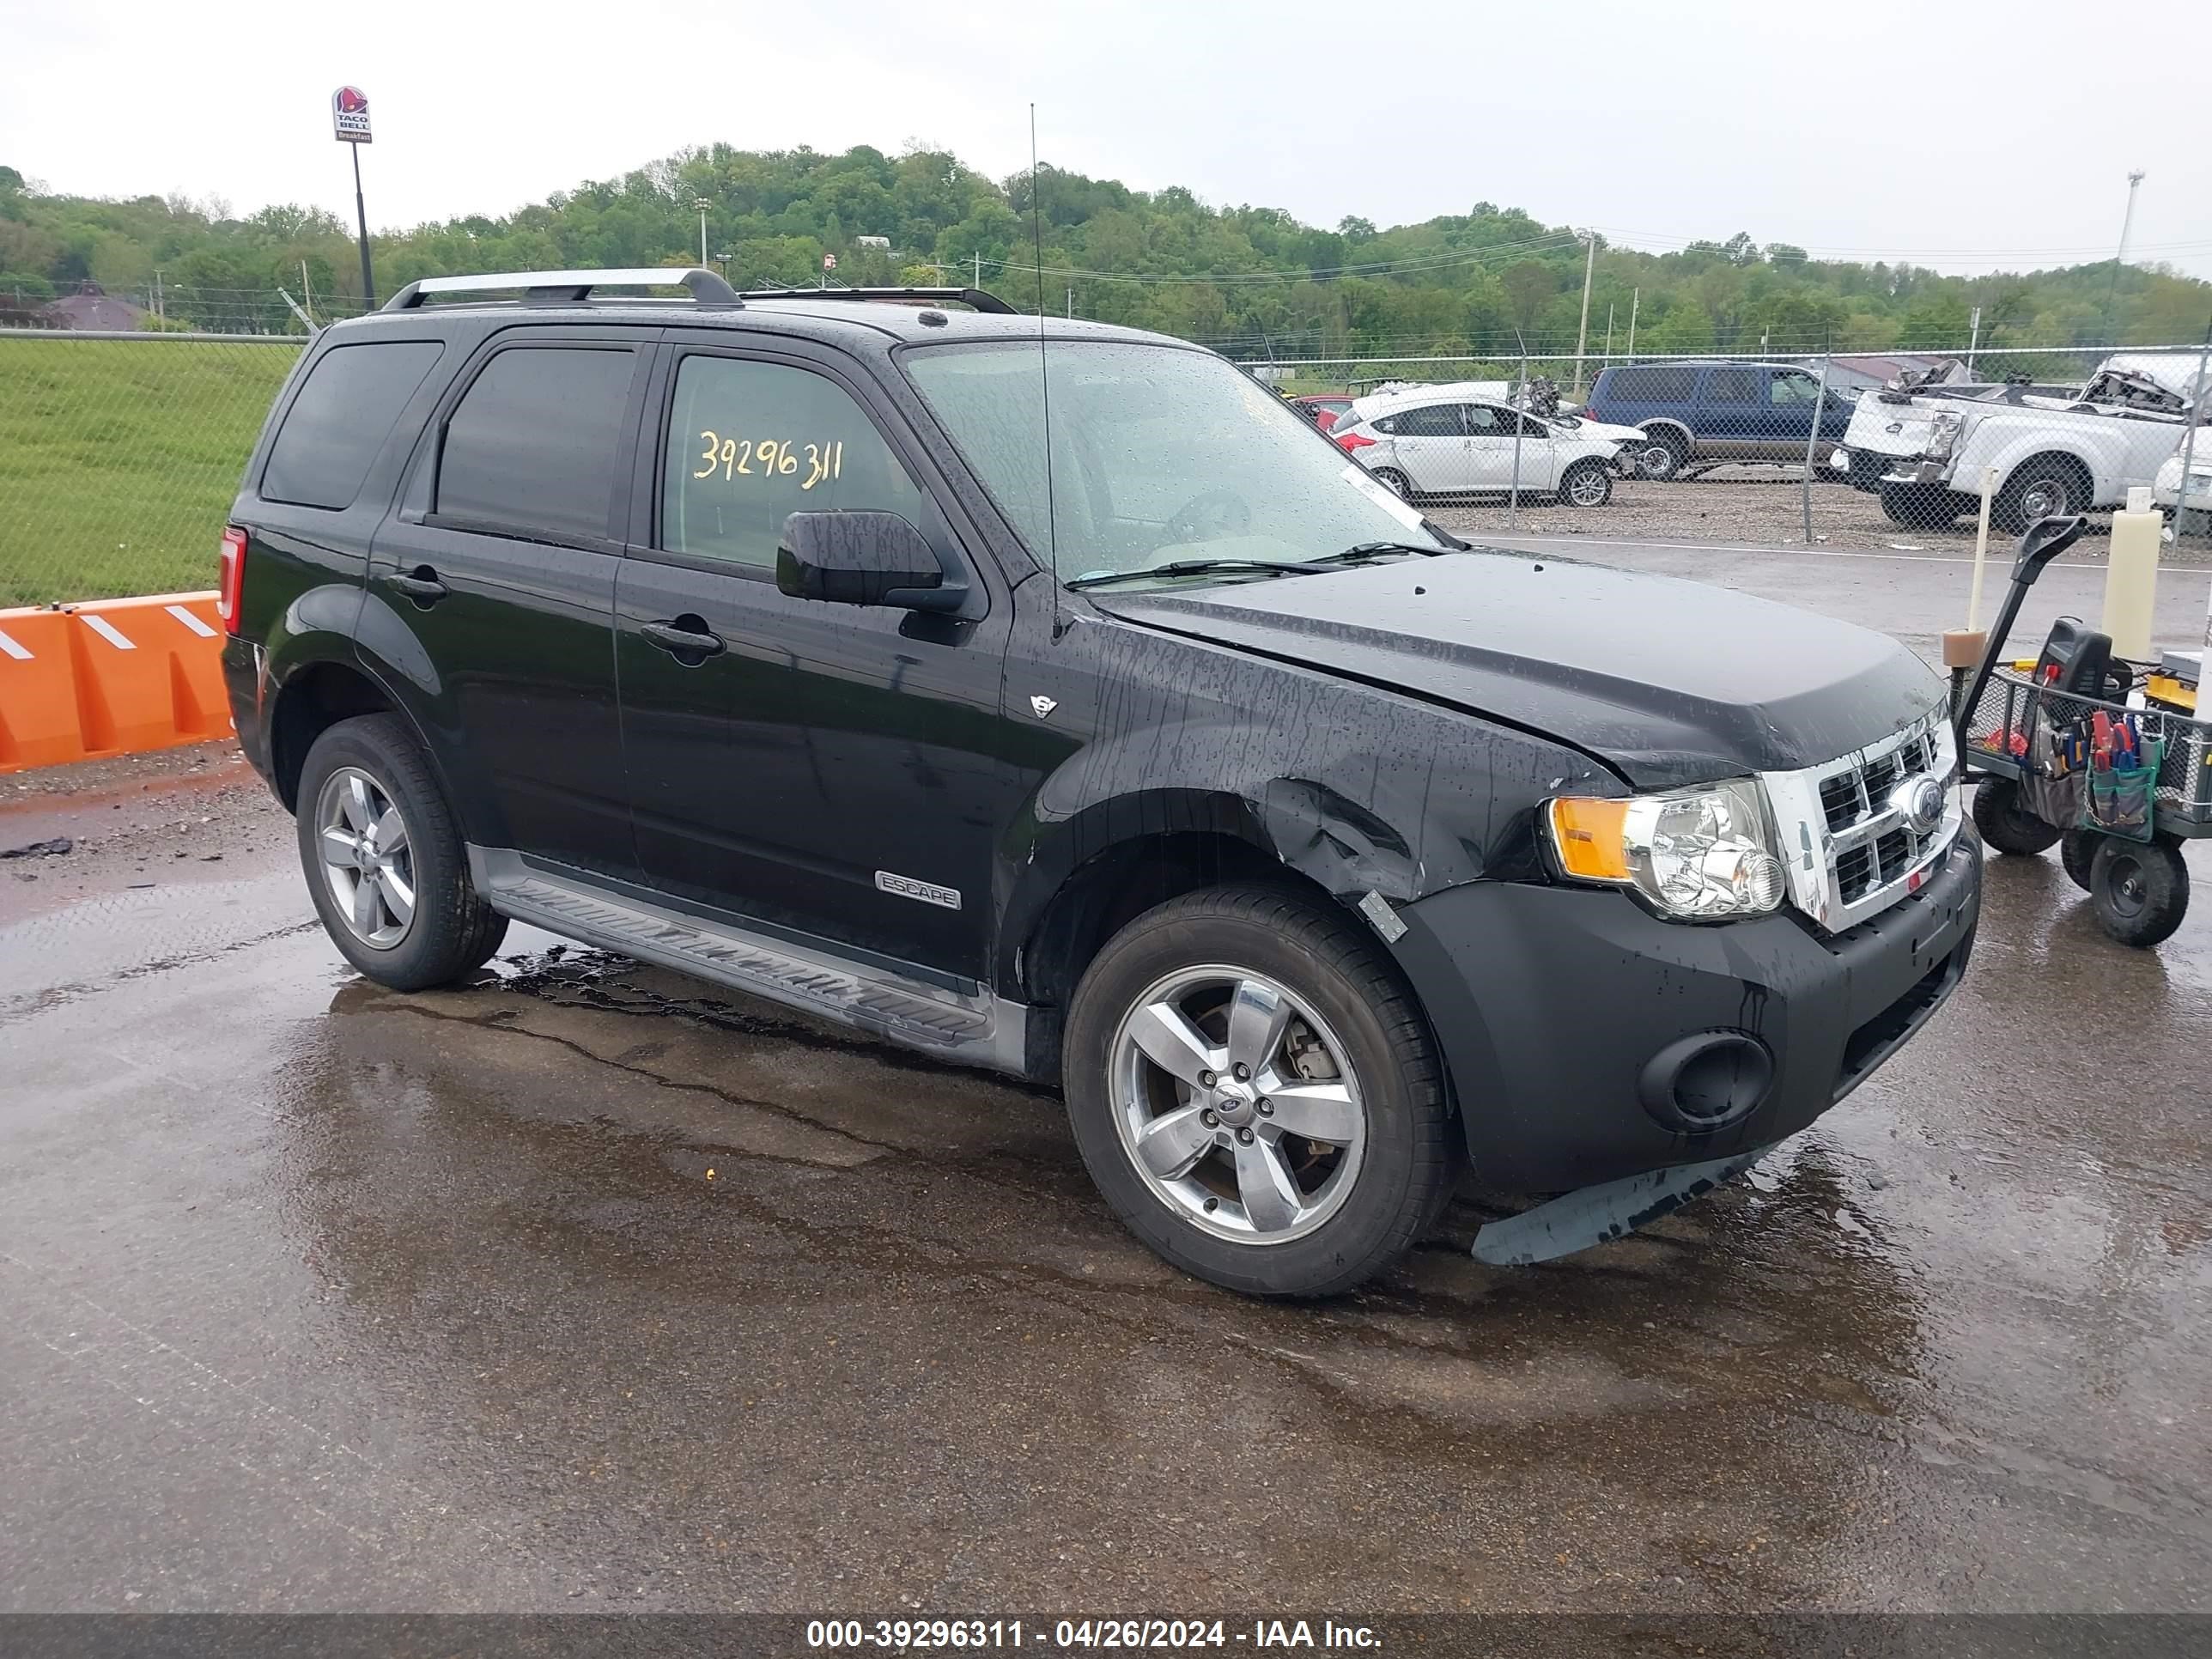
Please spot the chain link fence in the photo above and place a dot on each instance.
(119, 455)
(1850, 450)
(120, 452)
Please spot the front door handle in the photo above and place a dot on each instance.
(422, 585)
(680, 642)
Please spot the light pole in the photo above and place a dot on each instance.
(2127, 224)
(702, 204)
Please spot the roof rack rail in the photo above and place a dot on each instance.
(556, 287)
(980, 298)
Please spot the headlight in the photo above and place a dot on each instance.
(1943, 433)
(1702, 854)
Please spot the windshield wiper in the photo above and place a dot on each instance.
(1188, 567)
(1363, 551)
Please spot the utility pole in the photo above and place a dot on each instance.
(702, 204)
(979, 268)
(2119, 258)
(1635, 298)
(1581, 334)
(1071, 299)
(1973, 339)
(1608, 332)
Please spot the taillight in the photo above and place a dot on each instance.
(1351, 440)
(233, 582)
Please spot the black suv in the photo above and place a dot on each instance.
(1052, 698)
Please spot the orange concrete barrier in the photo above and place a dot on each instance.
(111, 676)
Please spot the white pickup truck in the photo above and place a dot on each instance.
(2068, 453)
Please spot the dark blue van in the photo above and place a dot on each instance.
(1703, 414)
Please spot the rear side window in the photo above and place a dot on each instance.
(1653, 385)
(1435, 421)
(533, 442)
(751, 443)
(341, 418)
(1736, 386)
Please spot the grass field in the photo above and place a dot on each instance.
(118, 459)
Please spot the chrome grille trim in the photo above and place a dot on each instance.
(1840, 876)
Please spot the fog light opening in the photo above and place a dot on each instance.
(1707, 1082)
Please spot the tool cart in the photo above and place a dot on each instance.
(2102, 757)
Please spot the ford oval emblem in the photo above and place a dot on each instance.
(1919, 802)
(1894, 426)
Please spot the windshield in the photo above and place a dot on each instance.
(1160, 456)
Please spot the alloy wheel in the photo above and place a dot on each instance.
(1236, 1104)
(368, 865)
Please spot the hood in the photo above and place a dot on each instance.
(1605, 431)
(1668, 681)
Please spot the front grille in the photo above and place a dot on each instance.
(1851, 852)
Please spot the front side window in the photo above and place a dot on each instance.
(751, 443)
(531, 447)
(1789, 389)
(1160, 454)
(340, 419)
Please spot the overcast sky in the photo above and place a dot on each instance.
(1968, 135)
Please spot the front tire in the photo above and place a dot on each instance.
(1256, 1094)
(2140, 890)
(1587, 483)
(2006, 824)
(385, 861)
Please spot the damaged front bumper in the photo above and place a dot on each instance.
(1589, 1043)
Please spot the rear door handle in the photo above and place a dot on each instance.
(682, 641)
(421, 584)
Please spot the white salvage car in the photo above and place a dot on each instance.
(1445, 443)
(2053, 453)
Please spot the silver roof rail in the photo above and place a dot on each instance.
(553, 287)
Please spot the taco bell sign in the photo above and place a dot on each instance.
(349, 116)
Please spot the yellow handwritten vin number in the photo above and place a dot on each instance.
(769, 458)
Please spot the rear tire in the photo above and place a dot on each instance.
(2078, 851)
(2140, 890)
(1396, 482)
(384, 860)
(2040, 486)
(2006, 824)
(1331, 1042)
(1922, 507)
(1665, 458)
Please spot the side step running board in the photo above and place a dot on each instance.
(980, 1030)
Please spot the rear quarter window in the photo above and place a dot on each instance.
(340, 419)
(1652, 386)
(533, 443)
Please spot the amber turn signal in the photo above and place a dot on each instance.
(1591, 837)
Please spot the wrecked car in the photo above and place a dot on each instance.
(2056, 451)
(1048, 697)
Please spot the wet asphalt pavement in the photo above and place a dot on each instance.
(592, 1287)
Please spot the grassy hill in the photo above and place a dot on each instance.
(119, 459)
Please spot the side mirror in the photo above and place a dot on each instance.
(862, 558)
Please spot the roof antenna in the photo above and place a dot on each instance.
(1044, 378)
